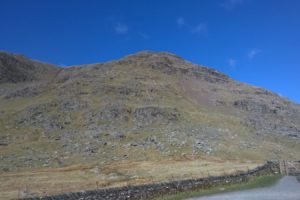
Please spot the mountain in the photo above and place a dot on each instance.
(17, 68)
(145, 106)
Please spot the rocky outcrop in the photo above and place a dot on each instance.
(148, 115)
(251, 105)
(210, 75)
(24, 92)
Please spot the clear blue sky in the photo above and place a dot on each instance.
(253, 41)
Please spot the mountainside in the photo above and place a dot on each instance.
(145, 106)
(17, 68)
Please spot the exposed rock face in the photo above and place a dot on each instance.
(151, 114)
(149, 105)
(28, 91)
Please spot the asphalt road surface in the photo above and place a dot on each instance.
(287, 188)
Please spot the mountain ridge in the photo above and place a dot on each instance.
(146, 53)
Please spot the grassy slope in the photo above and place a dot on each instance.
(228, 144)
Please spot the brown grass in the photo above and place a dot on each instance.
(86, 177)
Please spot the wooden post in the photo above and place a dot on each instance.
(286, 171)
(280, 167)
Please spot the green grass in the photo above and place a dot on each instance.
(262, 181)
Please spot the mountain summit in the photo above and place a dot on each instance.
(145, 106)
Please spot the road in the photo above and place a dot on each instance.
(287, 188)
